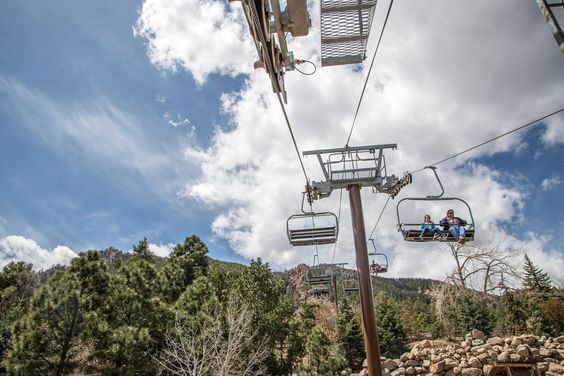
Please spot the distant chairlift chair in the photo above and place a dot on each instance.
(377, 267)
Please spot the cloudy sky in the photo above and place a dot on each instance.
(136, 119)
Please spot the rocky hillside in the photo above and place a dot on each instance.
(477, 356)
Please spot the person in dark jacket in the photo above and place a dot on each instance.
(455, 225)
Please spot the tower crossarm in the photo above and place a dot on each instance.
(342, 167)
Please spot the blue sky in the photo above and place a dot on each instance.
(120, 121)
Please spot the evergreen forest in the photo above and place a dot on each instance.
(115, 313)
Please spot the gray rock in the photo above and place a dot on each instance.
(516, 358)
(472, 372)
(419, 370)
(410, 371)
(426, 363)
(412, 363)
(477, 342)
(559, 339)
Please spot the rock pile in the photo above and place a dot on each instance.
(476, 355)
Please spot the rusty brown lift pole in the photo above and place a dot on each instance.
(366, 298)
(353, 168)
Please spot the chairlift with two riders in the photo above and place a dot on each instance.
(411, 231)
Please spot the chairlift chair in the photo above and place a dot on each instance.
(377, 267)
(302, 229)
(411, 231)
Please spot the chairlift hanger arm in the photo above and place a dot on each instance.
(434, 169)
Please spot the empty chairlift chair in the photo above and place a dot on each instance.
(310, 228)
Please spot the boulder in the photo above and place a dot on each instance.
(503, 357)
(487, 369)
(559, 339)
(390, 364)
(474, 362)
(457, 370)
(472, 372)
(450, 364)
(477, 342)
(399, 372)
(411, 363)
(478, 334)
(556, 368)
(546, 353)
(516, 358)
(495, 341)
(543, 367)
(437, 367)
(483, 358)
(523, 351)
(410, 371)
(425, 344)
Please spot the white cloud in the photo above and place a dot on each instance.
(18, 248)
(442, 82)
(201, 36)
(554, 133)
(162, 250)
(550, 183)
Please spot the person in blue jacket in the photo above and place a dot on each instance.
(429, 226)
(455, 225)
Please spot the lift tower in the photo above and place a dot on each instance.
(353, 168)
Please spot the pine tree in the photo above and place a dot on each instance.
(514, 314)
(392, 336)
(349, 337)
(47, 339)
(535, 279)
(186, 262)
(17, 284)
(135, 319)
(474, 315)
(319, 358)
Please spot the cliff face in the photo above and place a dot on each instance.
(477, 356)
